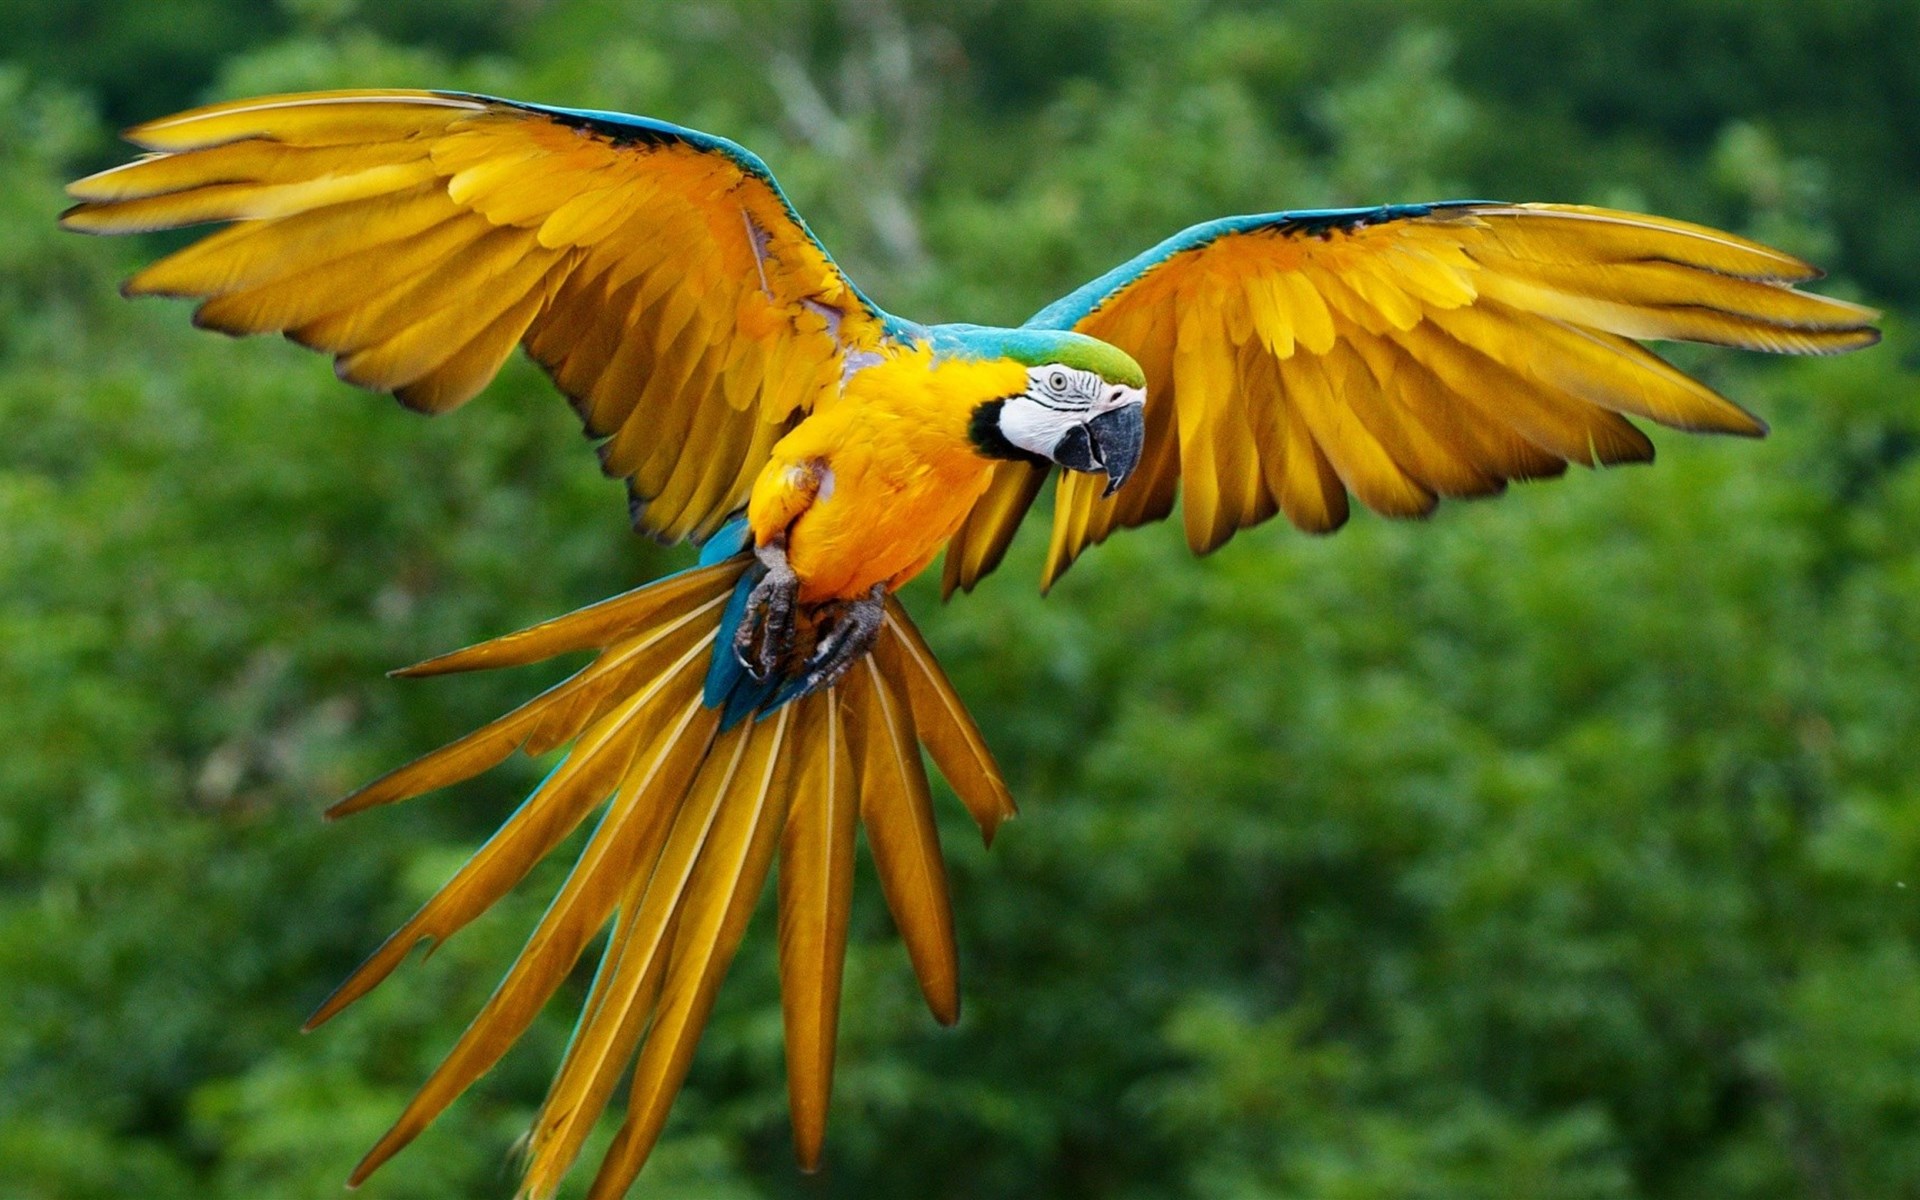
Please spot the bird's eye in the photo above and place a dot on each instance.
(1057, 381)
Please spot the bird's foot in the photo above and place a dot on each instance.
(848, 632)
(765, 634)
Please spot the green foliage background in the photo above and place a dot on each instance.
(1566, 846)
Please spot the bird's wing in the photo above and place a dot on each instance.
(658, 274)
(1402, 354)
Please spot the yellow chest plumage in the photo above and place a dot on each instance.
(870, 487)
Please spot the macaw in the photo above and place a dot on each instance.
(823, 452)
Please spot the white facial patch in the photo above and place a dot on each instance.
(1058, 399)
(1034, 427)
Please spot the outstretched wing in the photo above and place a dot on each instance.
(1402, 354)
(658, 274)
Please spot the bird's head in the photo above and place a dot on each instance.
(1083, 407)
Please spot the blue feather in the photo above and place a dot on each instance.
(735, 537)
(726, 672)
(729, 687)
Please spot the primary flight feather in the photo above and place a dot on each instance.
(757, 709)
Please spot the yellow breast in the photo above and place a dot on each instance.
(896, 473)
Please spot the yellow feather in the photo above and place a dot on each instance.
(1310, 492)
(1272, 314)
(1202, 393)
(1312, 324)
(673, 420)
(589, 216)
(1381, 283)
(461, 376)
(310, 119)
(1252, 368)
(718, 902)
(1338, 286)
(766, 434)
(1564, 426)
(1578, 235)
(579, 338)
(707, 459)
(1436, 440)
(717, 490)
(684, 421)
(529, 195)
(1598, 368)
(982, 541)
(505, 162)
(742, 374)
(1268, 421)
(1314, 384)
(1158, 475)
(662, 645)
(497, 274)
(1235, 456)
(644, 247)
(244, 201)
(942, 722)
(477, 139)
(624, 843)
(815, 897)
(897, 810)
(1375, 396)
(677, 311)
(591, 771)
(1074, 501)
(552, 1149)
(616, 389)
(347, 300)
(1433, 277)
(249, 162)
(1662, 300)
(257, 252)
(589, 628)
(609, 1030)
(644, 654)
(481, 750)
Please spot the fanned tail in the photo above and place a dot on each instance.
(694, 811)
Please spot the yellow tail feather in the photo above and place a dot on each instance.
(694, 818)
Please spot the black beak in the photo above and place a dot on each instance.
(1110, 442)
(1117, 437)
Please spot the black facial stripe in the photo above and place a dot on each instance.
(1079, 390)
(1059, 406)
(983, 430)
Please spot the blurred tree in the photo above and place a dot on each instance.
(1564, 846)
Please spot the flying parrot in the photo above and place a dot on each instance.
(763, 705)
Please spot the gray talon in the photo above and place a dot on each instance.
(766, 629)
(855, 626)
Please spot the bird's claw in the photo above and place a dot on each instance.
(766, 629)
(849, 634)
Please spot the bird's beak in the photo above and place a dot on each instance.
(1110, 442)
(1117, 436)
